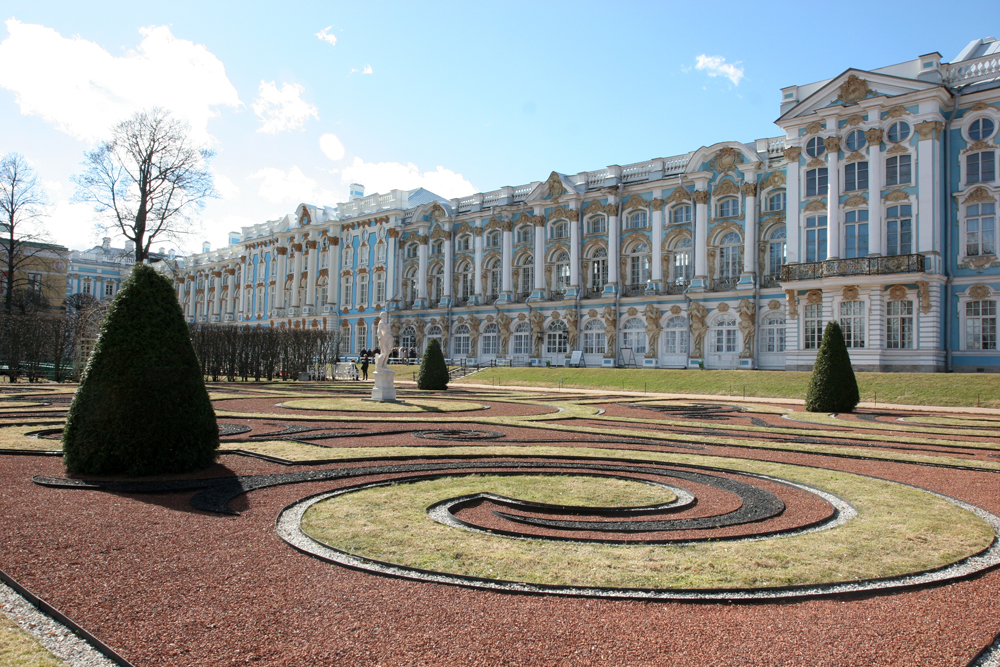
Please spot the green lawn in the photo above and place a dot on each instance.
(954, 389)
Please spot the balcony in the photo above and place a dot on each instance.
(769, 280)
(859, 266)
(675, 287)
(593, 292)
(557, 296)
(726, 284)
(634, 290)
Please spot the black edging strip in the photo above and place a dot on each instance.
(985, 653)
(59, 617)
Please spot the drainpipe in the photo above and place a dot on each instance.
(946, 252)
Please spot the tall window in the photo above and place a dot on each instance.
(86, 287)
(408, 338)
(729, 207)
(556, 338)
(491, 339)
(683, 264)
(676, 335)
(379, 287)
(562, 271)
(898, 170)
(637, 220)
(812, 318)
(560, 230)
(639, 264)
(463, 243)
(527, 274)
(776, 201)
(361, 337)
(680, 214)
(460, 341)
(493, 240)
(772, 335)
(856, 234)
(521, 338)
(776, 249)
(321, 292)
(899, 230)
(634, 335)
(980, 167)
(466, 281)
(816, 238)
(380, 253)
(363, 290)
(731, 256)
(437, 248)
(493, 278)
(348, 257)
(597, 224)
(856, 176)
(980, 325)
(348, 292)
(599, 269)
(899, 325)
(816, 181)
(260, 301)
(980, 230)
(437, 284)
(411, 251)
(852, 322)
(724, 335)
(524, 234)
(594, 341)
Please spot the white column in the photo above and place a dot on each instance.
(507, 260)
(217, 295)
(180, 291)
(449, 260)
(792, 204)
(876, 235)
(574, 254)
(834, 231)
(539, 253)
(700, 237)
(231, 301)
(478, 241)
(297, 271)
(391, 265)
(313, 262)
(239, 286)
(614, 234)
(657, 239)
(279, 280)
(927, 166)
(422, 268)
(333, 275)
(193, 298)
(750, 231)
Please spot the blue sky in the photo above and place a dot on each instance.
(299, 100)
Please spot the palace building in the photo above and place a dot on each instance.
(875, 206)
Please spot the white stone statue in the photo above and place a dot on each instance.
(385, 341)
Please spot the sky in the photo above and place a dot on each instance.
(298, 101)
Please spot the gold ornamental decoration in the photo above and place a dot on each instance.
(814, 297)
(897, 293)
(853, 90)
(979, 291)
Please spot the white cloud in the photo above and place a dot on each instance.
(717, 66)
(367, 70)
(282, 110)
(225, 186)
(331, 146)
(83, 90)
(293, 186)
(326, 37)
(385, 176)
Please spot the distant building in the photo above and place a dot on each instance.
(41, 273)
(875, 207)
(99, 271)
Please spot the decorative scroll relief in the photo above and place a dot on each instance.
(924, 292)
(749, 189)
(979, 263)
(723, 307)
(874, 136)
(775, 180)
(635, 201)
(792, 154)
(726, 187)
(850, 293)
(698, 327)
(897, 195)
(747, 326)
(929, 129)
(853, 90)
(700, 196)
(978, 292)
(977, 146)
(815, 163)
(855, 120)
(897, 293)
(855, 201)
(679, 195)
(897, 111)
(726, 159)
(815, 205)
(898, 149)
(832, 144)
(675, 310)
(814, 128)
(774, 304)
(814, 297)
(554, 186)
(854, 157)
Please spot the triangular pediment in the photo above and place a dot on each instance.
(853, 87)
(553, 187)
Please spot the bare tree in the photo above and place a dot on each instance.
(22, 204)
(147, 179)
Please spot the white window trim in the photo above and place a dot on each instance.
(964, 298)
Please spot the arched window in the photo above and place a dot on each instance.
(559, 230)
(437, 248)
(683, 264)
(556, 338)
(411, 250)
(599, 270)
(348, 256)
(776, 201)
(491, 339)
(680, 214)
(638, 264)
(776, 252)
(725, 335)
(493, 240)
(637, 220)
(433, 331)
(728, 207)
(521, 338)
(437, 283)
(380, 253)
(597, 224)
(676, 334)
(561, 272)
(466, 280)
(524, 234)
(730, 256)
(634, 335)
(594, 339)
(460, 341)
(463, 242)
(408, 338)
(772, 333)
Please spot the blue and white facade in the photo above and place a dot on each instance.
(875, 207)
(100, 271)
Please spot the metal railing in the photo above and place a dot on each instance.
(675, 288)
(769, 280)
(857, 266)
(634, 290)
(725, 284)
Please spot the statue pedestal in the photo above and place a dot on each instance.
(385, 388)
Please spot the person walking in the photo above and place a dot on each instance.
(364, 368)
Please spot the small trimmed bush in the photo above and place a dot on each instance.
(433, 371)
(142, 407)
(833, 387)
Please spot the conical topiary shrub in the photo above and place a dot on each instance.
(433, 371)
(142, 407)
(833, 387)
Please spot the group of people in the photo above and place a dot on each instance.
(398, 355)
